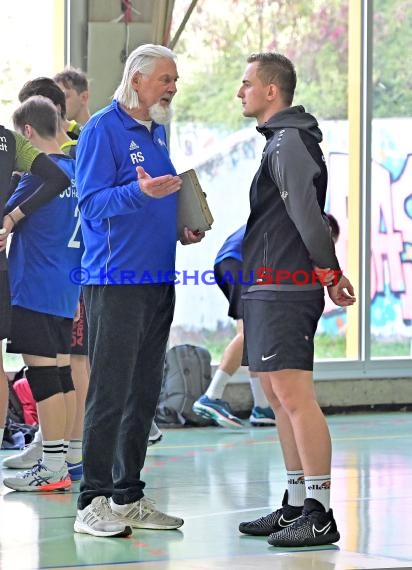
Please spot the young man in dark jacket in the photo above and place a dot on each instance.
(287, 242)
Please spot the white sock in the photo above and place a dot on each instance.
(318, 487)
(121, 509)
(296, 488)
(38, 437)
(259, 398)
(75, 451)
(217, 385)
(53, 455)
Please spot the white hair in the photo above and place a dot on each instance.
(141, 60)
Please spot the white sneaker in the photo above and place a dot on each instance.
(142, 514)
(155, 435)
(26, 459)
(97, 519)
(39, 478)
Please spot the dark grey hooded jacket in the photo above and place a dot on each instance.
(287, 231)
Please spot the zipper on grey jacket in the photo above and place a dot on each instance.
(265, 249)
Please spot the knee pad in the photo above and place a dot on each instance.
(65, 374)
(44, 381)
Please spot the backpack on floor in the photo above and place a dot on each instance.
(15, 411)
(187, 375)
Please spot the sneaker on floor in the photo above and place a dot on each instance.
(217, 410)
(155, 435)
(97, 519)
(75, 470)
(142, 514)
(39, 478)
(25, 459)
(273, 522)
(315, 527)
(260, 417)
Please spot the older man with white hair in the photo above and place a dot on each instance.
(130, 232)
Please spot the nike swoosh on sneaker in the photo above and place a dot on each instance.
(268, 357)
(285, 522)
(324, 530)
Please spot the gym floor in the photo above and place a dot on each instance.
(214, 478)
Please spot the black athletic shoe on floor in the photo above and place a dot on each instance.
(314, 528)
(272, 522)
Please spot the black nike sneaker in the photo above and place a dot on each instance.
(314, 528)
(273, 522)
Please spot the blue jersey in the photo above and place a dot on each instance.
(129, 237)
(46, 247)
(232, 246)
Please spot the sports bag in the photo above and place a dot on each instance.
(187, 376)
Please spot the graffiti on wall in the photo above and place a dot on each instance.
(391, 227)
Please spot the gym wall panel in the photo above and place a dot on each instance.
(105, 56)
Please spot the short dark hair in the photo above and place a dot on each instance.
(278, 69)
(334, 227)
(48, 88)
(38, 112)
(73, 78)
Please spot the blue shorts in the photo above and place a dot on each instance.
(230, 286)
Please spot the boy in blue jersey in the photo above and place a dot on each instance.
(16, 153)
(210, 405)
(79, 361)
(44, 250)
(130, 230)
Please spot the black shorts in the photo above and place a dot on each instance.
(5, 306)
(230, 285)
(39, 334)
(278, 335)
(80, 331)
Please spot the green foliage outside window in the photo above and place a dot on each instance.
(314, 35)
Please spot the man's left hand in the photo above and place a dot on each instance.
(343, 293)
(190, 236)
(5, 231)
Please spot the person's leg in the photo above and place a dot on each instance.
(152, 323)
(296, 492)
(230, 363)
(231, 360)
(279, 334)
(50, 473)
(79, 362)
(69, 395)
(112, 358)
(152, 327)
(4, 395)
(5, 312)
(38, 336)
(262, 413)
(155, 435)
(292, 503)
(80, 373)
(296, 393)
(211, 405)
(120, 405)
(112, 363)
(305, 439)
(43, 378)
